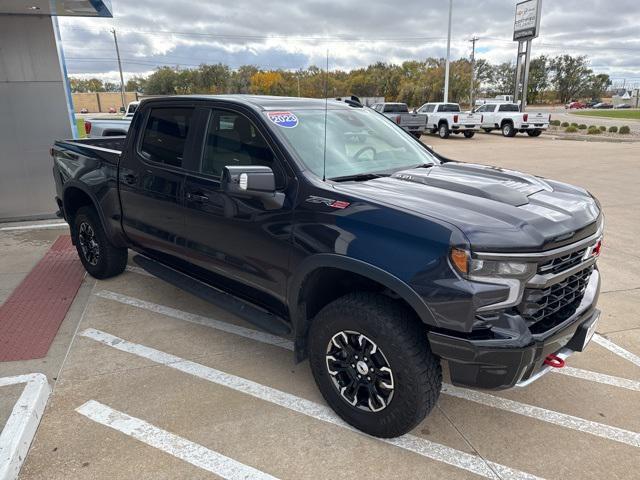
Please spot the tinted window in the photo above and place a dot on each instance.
(233, 140)
(165, 135)
(449, 107)
(429, 107)
(509, 107)
(396, 108)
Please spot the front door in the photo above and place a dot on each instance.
(238, 241)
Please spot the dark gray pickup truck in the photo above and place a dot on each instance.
(327, 223)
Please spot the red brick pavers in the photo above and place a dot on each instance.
(31, 316)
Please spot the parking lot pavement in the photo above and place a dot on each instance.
(158, 384)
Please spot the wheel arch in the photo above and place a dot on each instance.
(332, 273)
(76, 196)
(506, 120)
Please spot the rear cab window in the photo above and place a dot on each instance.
(509, 107)
(449, 107)
(165, 135)
(396, 108)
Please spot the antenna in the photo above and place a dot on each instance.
(326, 108)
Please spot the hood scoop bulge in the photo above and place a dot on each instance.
(478, 185)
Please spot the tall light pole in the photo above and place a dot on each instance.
(473, 70)
(115, 39)
(446, 68)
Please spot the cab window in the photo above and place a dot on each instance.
(165, 135)
(233, 140)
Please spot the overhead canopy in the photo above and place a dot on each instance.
(61, 8)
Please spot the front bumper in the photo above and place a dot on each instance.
(518, 357)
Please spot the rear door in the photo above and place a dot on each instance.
(490, 118)
(152, 179)
(238, 241)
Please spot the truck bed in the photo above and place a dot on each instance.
(110, 143)
(107, 149)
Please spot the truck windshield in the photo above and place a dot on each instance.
(359, 141)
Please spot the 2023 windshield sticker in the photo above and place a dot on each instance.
(283, 119)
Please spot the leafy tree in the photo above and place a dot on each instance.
(136, 84)
(571, 76)
(163, 81)
(90, 85)
(538, 78)
(268, 83)
(598, 85)
(503, 79)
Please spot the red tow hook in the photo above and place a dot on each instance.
(554, 361)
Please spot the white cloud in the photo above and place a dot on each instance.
(294, 34)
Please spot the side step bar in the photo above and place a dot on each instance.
(245, 310)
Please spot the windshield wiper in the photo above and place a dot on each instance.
(358, 177)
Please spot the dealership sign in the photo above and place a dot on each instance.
(527, 23)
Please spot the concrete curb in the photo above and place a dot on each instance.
(590, 138)
(18, 432)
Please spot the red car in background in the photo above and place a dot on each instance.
(577, 105)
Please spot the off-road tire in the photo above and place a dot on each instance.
(443, 131)
(469, 133)
(111, 260)
(508, 130)
(402, 338)
(534, 133)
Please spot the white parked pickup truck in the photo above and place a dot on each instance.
(508, 118)
(399, 113)
(131, 109)
(446, 118)
(106, 127)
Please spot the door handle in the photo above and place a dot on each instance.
(130, 179)
(196, 197)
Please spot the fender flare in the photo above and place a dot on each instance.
(96, 205)
(299, 320)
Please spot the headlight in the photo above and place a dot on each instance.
(494, 268)
(513, 274)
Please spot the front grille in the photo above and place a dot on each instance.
(543, 308)
(560, 264)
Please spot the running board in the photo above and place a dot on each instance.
(245, 310)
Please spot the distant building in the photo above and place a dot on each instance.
(624, 96)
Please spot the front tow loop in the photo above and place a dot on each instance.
(554, 361)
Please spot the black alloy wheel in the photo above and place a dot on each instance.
(88, 244)
(360, 371)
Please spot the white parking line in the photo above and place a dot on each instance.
(561, 419)
(549, 416)
(21, 426)
(198, 319)
(618, 350)
(599, 378)
(179, 447)
(314, 410)
(542, 414)
(38, 226)
(281, 342)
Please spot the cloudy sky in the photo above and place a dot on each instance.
(297, 33)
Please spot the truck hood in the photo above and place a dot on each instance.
(498, 210)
